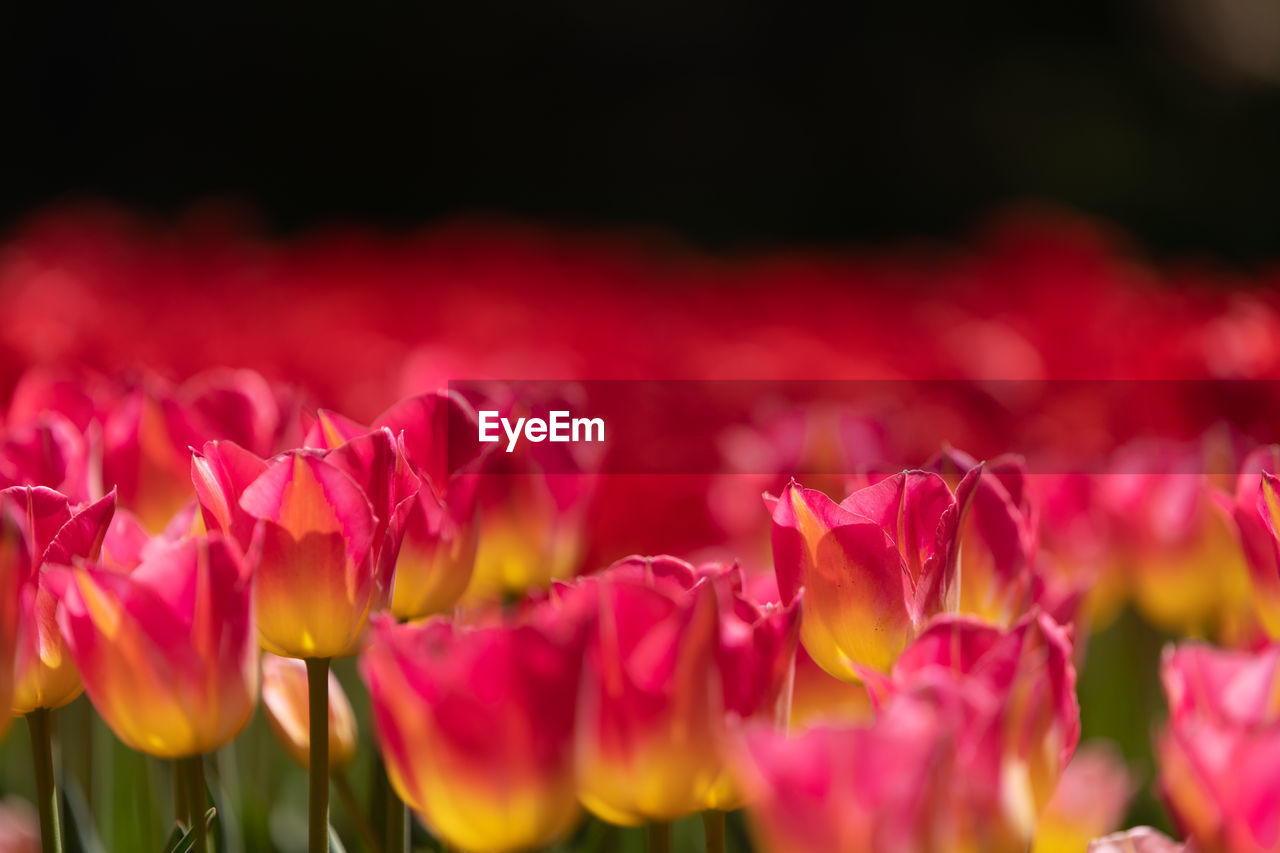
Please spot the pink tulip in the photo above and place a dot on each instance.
(48, 451)
(285, 701)
(997, 537)
(875, 568)
(1220, 754)
(1255, 509)
(651, 732)
(1090, 801)
(437, 554)
(755, 650)
(1027, 679)
(166, 652)
(329, 529)
(148, 434)
(1143, 839)
(56, 531)
(476, 727)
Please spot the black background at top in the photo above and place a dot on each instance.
(730, 122)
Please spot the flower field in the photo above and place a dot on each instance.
(940, 549)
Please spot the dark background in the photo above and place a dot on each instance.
(729, 122)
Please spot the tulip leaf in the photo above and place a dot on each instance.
(335, 842)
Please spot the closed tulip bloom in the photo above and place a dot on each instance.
(874, 568)
(1090, 801)
(220, 472)
(476, 728)
(438, 551)
(1220, 754)
(19, 829)
(1026, 673)
(148, 434)
(1256, 513)
(15, 565)
(329, 528)
(755, 649)
(651, 731)
(284, 698)
(166, 652)
(1142, 839)
(997, 537)
(874, 788)
(56, 532)
(48, 451)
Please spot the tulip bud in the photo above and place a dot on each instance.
(438, 554)
(328, 532)
(1142, 839)
(1092, 797)
(997, 537)
(48, 451)
(650, 739)
(19, 830)
(476, 727)
(1028, 671)
(1220, 755)
(285, 699)
(166, 652)
(56, 531)
(875, 567)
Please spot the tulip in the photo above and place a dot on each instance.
(284, 698)
(19, 832)
(476, 727)
(48, 451)
(875, 568)
(1027, 674)
(57, 531)
(438, 554)
(1256, 513)
(220, 472)
(147, 436)
(1220, 754)
(166, 652)
(755, 649)
(651, 733)
(533, 511)
(1176, 542)
(1142, 839)
(1092, 797)
(438, 550)
(876, 788)
(15, 566)
(997, 537)
(329, 527)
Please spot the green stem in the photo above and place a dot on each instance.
(713, 830)
(181, 799)
(41, 729)
(352, 805)
(193, 782)
(660, 837)
(318, 707)
(397, 823)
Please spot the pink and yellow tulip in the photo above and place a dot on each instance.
(651, 735)
(1220, 754)
(284, 699)
(166, 652)
(476, 727)
(875, 568)
(329, 527)
(56, 533)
